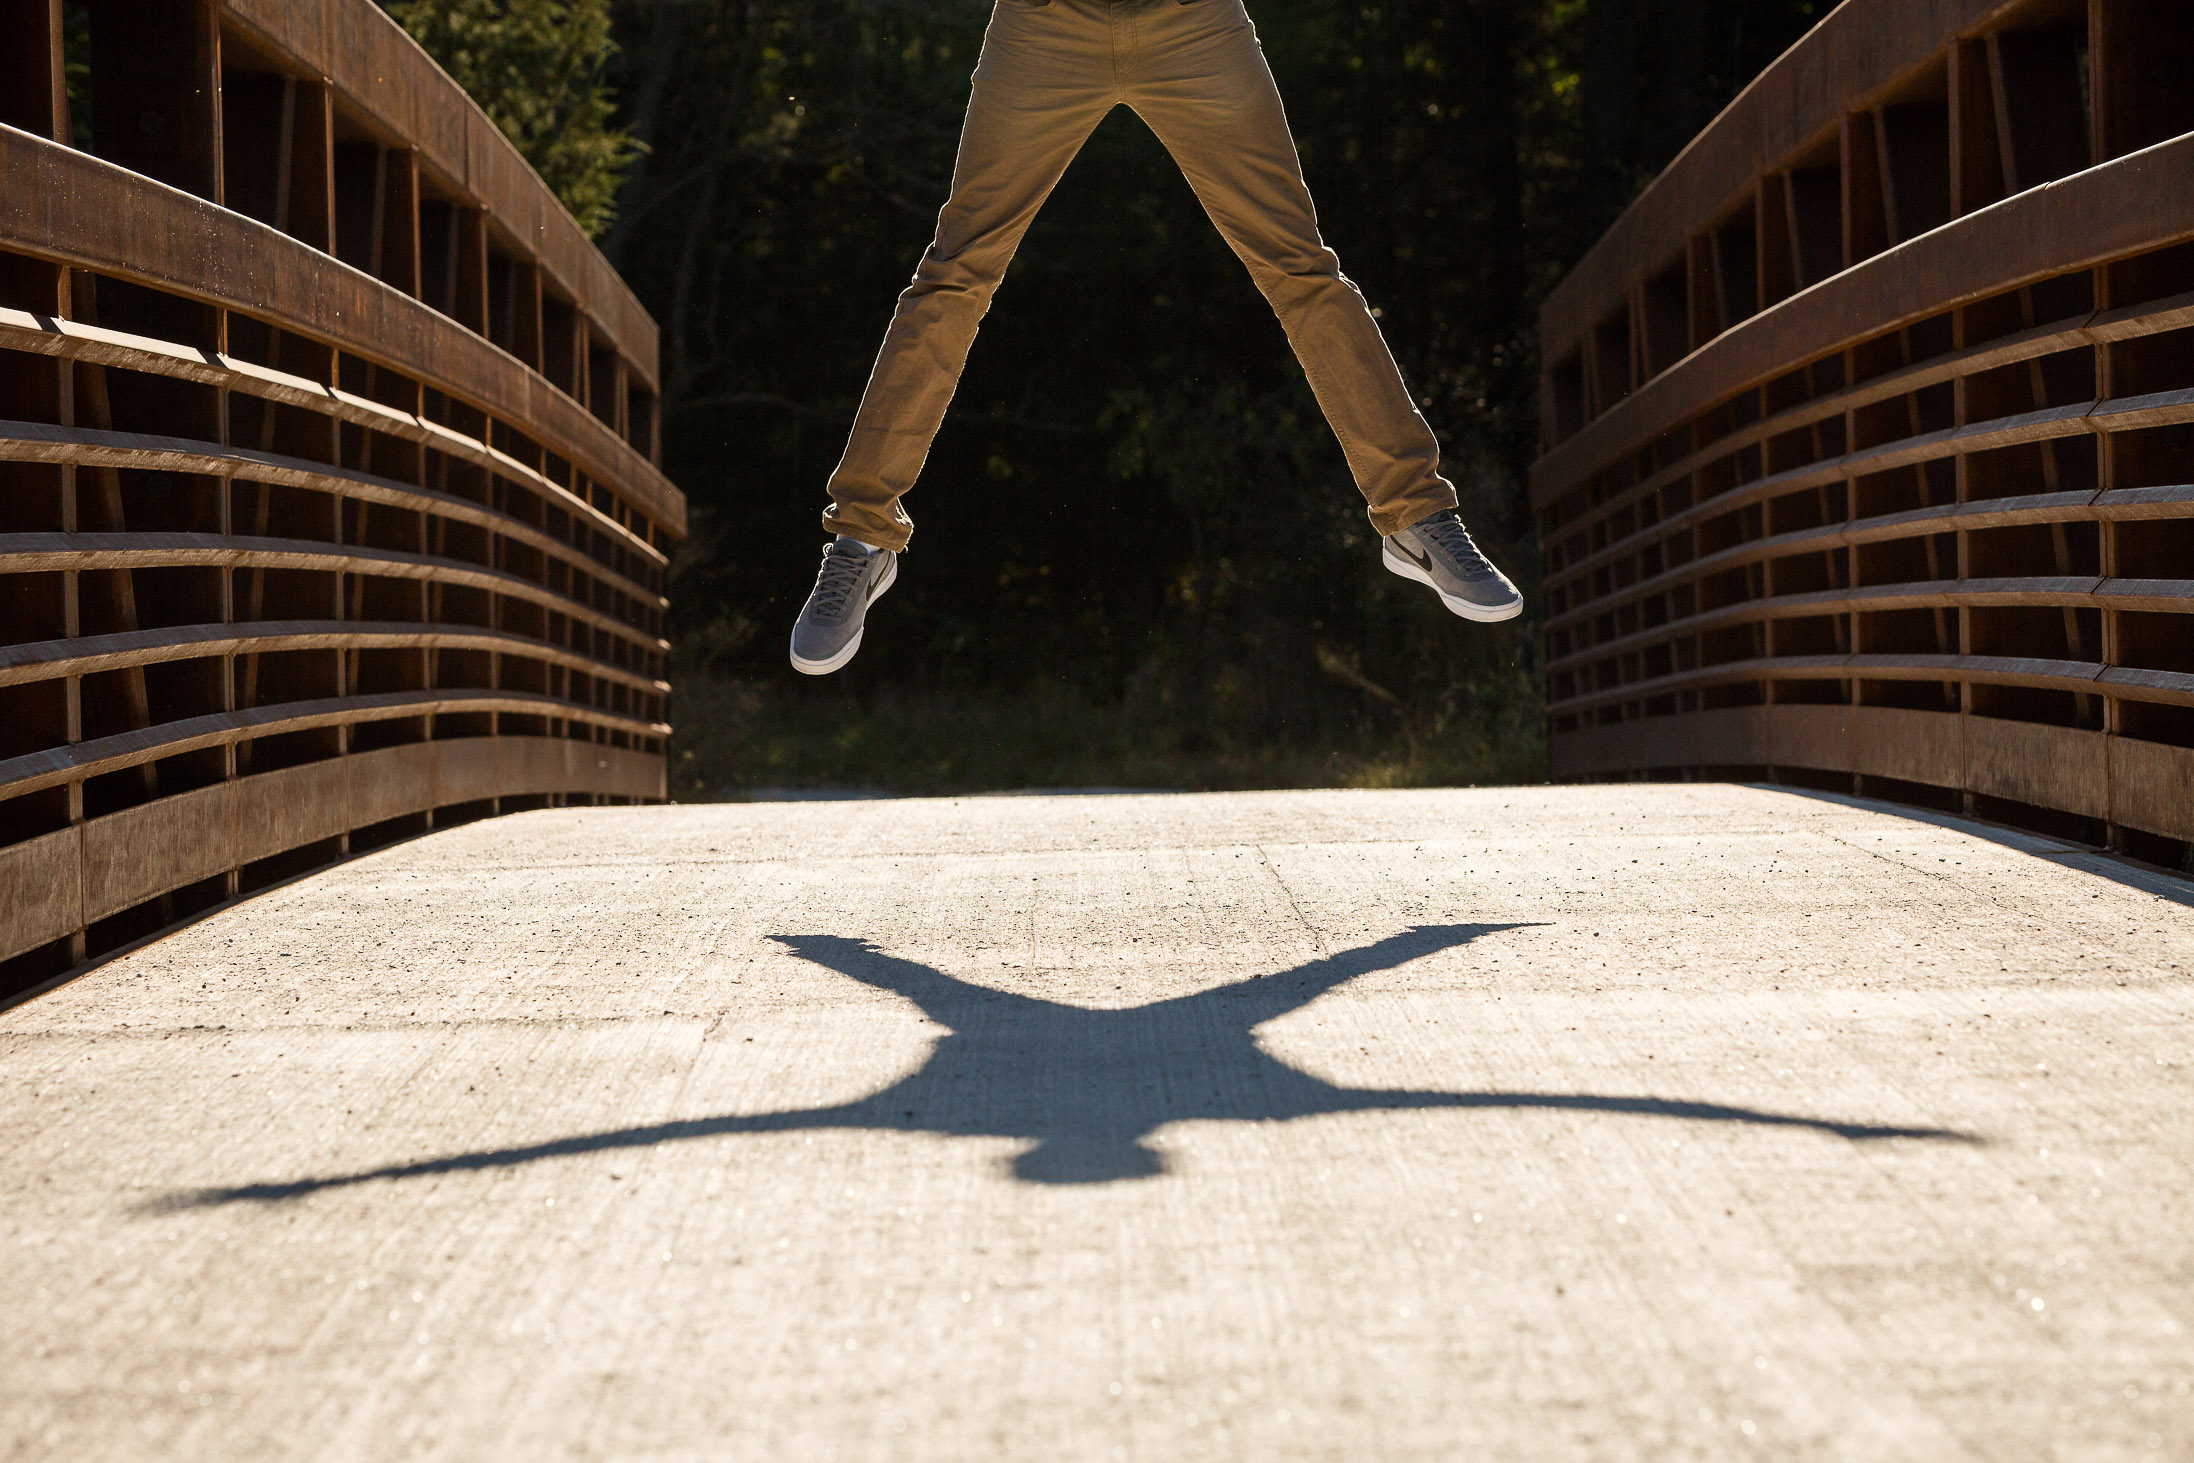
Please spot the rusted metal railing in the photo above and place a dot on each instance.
(1869, 429)
(329, 496)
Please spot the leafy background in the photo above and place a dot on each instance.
(1140, 560)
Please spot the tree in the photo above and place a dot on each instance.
(538, 69)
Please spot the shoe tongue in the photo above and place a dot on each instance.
(1449, 531)
(847, 548)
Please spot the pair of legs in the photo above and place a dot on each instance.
(1192, 69)
(1194, 72)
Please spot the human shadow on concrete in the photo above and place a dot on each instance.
(1086, 1087)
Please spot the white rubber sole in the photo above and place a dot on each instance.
(825, 667)
(1403, 565)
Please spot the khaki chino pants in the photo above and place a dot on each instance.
(1194, 72)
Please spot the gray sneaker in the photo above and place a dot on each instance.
(828, 631)
(1438, 551)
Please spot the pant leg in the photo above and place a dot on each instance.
(1201, 82)
(1044, 81)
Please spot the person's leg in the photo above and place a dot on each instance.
(1200, 81)
(1043, 83)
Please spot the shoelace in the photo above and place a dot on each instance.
(1447, 532)
(836, 580)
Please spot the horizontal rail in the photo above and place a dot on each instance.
(2096, 328)
(2130, 596)
(54, 885)
(1978, 513)
(2103, 505)
(2160, 409)
(76, 210)
(68, 340)
(86, 447)
(31, 553)
(2081, 677)
(45, 660)
(54, 766)
(1913, 523)
(2132, 203)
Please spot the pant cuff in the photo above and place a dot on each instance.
(890, 536)
(1414, 508)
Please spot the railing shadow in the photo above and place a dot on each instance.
(1086, 1087)
(2062, 852)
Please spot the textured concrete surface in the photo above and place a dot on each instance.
(1624, 1123)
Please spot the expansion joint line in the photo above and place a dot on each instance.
(1317, 940)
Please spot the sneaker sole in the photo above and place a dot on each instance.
(1483, 614)
(825, 667)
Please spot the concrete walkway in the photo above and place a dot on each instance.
(1607, 1123)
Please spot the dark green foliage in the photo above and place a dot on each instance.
(1139, 547)
(76, 74)
(536, 68)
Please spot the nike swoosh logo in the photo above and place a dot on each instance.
(1422, 561)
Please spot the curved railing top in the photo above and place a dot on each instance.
(1914, 74)
(2130, 202)
(312, 167)
(81, 210)
(1859, 48)
(381, 71)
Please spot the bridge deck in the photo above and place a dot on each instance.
(1614, 1122)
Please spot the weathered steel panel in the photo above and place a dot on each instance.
(1912, 746)
(537, 765)
(393, 782)
(1806, 736)
(2052, 766)
(41, 891)
(275, 812)
(628, 774)
(468, 770)
(2152, 787)
(1731, 737)
(133, 855)
(140, 852)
